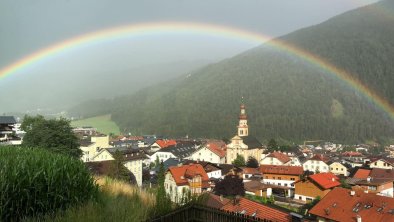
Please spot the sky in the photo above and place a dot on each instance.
(28, 26)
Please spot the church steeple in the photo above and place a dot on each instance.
(243, 122)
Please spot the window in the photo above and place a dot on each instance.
(285, 184)
(300, 198)
(279, 178)
(279, 184)
(273, 178)
(336, 168)
(292, 178)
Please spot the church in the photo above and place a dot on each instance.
(242, 143)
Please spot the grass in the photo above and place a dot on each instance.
(103, 124)
(118, 201)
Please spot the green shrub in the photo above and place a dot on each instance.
(36, 181)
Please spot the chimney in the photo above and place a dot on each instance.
(352, 193)
(365, 191)
(359, 218)
(221, 198)
(333, 179)
(368, 179)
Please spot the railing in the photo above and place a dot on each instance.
(198, 213)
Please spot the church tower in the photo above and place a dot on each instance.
(243, 122)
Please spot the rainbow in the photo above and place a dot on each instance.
(160, 28)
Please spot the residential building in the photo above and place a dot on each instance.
(276, 158)
(316, 164)
(210, 152)
(338, 168)
(243, 143)
(132, 160)
(257, 188)
(345, 205)
(248, 172)
(186, 178)
(317, 185)
(8, 131)
(160, 144)
(281, 175)
(214, 171)
(182, 151)
(384, 163)
(92, 146)
(382, 187)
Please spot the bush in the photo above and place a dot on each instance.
(36, 181)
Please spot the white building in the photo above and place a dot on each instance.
(210, 152)
(316, 164)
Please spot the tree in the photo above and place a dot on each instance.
(252, 162)
(231, 185)
(272, 145)
(163, 202)
(53, 134)
(239, 161)
(118, 170)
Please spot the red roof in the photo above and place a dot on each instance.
(362, 174)
(280, 156)
(250, 170)
(165, 143)
(351, 153)
(325, 180)
(218, 150)
(181, 174)
(286, 170)
(319, 158)
(258, 210)
(340, 205)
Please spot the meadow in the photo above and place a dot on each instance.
(103, 124)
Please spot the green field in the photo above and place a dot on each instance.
(103, 124)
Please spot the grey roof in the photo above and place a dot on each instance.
(251, 142)
(7, 120)
(128, 153)
(181, 150)
(169, 162)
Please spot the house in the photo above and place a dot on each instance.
(227, 169)
(132, 159)
(211, 152)
(316, 164)
(384, 163)
(9, 131)
(212, 170)
(248, 172)
(182, 151)
(345, 205)
(257, 188)
(92, 145)
(276, 158)
(160, 144)
(187, 178)
(361, 173)
(281, 175)
(317, 185)
(382, 187)
(243, 144)
(338, 168)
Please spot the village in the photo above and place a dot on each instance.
(338, 182)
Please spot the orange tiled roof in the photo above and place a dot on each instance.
(258, 210)
(280, 156)
(362, 174)
(286, 170)
(215, 148)
(181, 174)
(351, 153)
(340, 205)
(319, 157)
(325, 180)
(249, 170)
(165, 143)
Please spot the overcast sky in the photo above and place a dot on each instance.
(27, 26)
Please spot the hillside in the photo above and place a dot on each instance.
(103, 124)
(285, 96)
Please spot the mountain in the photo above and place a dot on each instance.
(286, 97)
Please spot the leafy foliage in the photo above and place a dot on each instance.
(239, 161)
(55, 135)
(163, 202)
(272, 145)
(36, 181)
(252, 162)
(118, 170)
(231, 185)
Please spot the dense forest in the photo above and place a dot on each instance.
(286, 97)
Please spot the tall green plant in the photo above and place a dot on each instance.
(36, 181)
